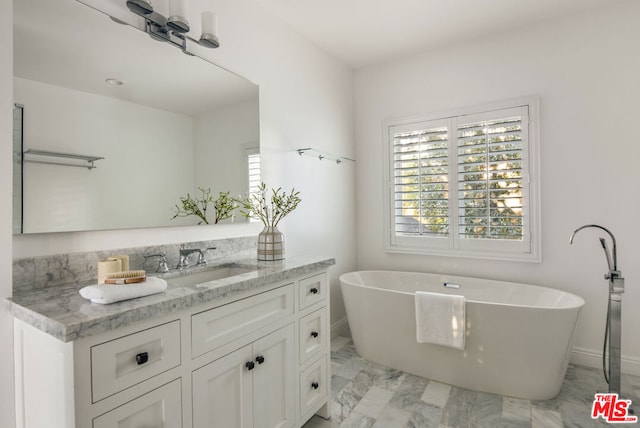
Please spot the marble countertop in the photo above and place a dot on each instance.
(61, 312)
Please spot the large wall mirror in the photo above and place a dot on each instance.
(162, 122)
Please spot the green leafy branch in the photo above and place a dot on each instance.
(270, 212)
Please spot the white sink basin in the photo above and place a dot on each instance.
(208, 275)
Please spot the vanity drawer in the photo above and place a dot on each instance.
(313, 386)
(128, 360)
(218, 326)
(313, 337)
(160, 408)
(312, 290)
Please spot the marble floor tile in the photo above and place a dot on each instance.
(516, 408)
(337, 384)
(374, 402)
(339, 342)
(542, 418)
(365, 394)
(436, 393)
(347, 368)
(409, 392)
(392, 416)
(425, 416)
(356, 420)
(486, 411)
(457, 411)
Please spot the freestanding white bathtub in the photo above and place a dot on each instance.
(518, 337)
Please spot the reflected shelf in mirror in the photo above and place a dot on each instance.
(39, 154)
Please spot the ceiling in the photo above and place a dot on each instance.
(365, 32)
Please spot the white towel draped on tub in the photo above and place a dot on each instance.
(440, 319)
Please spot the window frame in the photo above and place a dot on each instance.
(529, 249)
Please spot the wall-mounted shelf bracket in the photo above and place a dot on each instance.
(324, 155)
(41, 156)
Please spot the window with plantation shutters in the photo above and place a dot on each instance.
(253, 168)
(465, 184)
(253, 173)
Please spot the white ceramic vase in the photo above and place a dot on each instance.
(270, 244)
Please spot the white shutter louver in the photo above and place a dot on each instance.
(490, 179)
(420, 165)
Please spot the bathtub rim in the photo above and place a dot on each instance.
(580, 302)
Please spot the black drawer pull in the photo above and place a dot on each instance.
(314, 334)
(315, 385)
(142, 358)
(249, 365)
(313, 290)
(260, 359)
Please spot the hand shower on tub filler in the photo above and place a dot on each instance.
(613, 328)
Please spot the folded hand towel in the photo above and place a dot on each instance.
(440, 319)
(111, 293)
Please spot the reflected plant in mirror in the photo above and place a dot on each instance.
(173, 121)
(224, 205)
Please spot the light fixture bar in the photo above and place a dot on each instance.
(174, 29)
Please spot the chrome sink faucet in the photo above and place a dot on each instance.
(162, 262)
(183, 263)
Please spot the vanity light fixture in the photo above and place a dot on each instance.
(174, 29)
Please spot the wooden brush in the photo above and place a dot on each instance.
(126, 277)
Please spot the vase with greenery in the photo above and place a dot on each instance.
(223, 205)
(270, 209)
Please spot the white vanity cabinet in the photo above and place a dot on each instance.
(258, 359)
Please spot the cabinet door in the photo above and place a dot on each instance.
(273, 380)
(222, 392)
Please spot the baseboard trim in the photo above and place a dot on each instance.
(590, 358)
(340, 328)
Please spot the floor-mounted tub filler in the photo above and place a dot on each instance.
(613, 328)
(518, 337)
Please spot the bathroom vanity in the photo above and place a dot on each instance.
(247, 350)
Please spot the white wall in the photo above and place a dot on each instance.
(222, 136)
(6, 142)
(585, 70)
(130, 187)
(305, 100)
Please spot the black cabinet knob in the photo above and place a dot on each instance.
(314, 334)
(313, 290)
(250, 365)
(260, 359)
(142, 358)
(315, 385)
